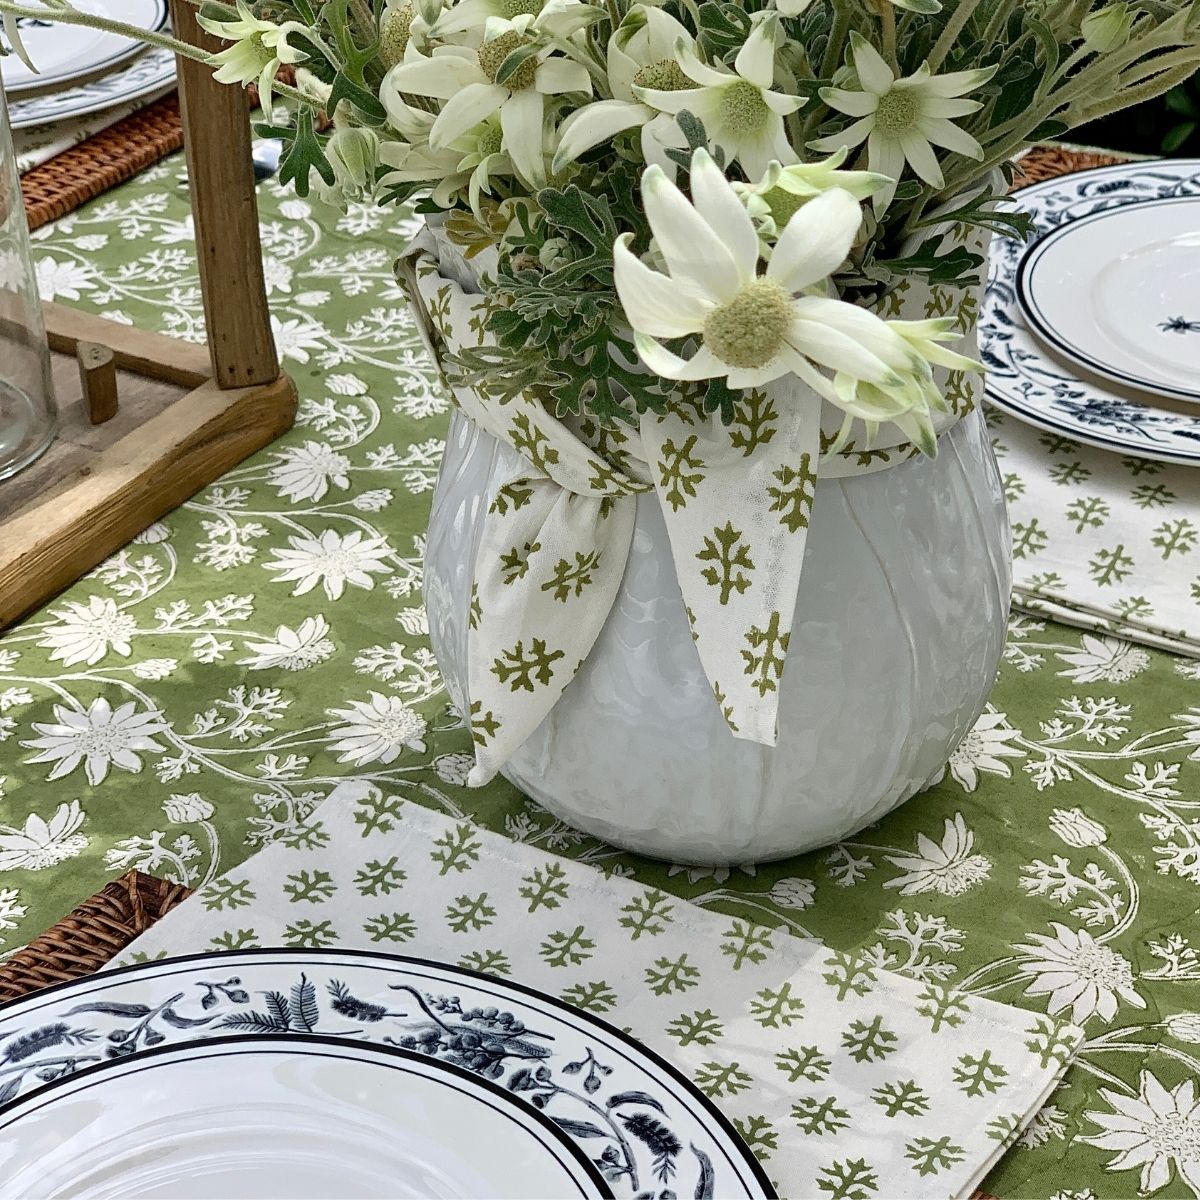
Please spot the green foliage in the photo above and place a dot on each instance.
(561, 330)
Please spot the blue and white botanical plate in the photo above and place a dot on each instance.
(1118, 292)
(284, 1115)
(148, 73)
(1026, 379)
(64, 54)
(220, 1051)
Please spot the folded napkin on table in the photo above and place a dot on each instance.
(1101, 540)
(835, 1070)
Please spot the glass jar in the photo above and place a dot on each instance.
(27, 411)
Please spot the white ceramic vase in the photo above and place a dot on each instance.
(899, 628)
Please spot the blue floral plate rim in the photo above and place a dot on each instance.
(1022, 381)
(1034, 314)
(740, 1165)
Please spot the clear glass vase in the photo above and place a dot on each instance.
(27, 410)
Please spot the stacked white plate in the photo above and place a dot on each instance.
(83, 71)
(309, 1073)
(1093, 330)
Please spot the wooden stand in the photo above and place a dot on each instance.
(184, 415)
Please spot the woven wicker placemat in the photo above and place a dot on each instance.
(61, 184)
(88, 938)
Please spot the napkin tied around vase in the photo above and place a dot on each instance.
(828, 1065)
(736, 500)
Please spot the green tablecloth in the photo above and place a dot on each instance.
(205, 688)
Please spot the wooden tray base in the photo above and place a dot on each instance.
(99, 485)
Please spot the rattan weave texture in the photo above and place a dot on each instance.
(90, 936)
(61, 184)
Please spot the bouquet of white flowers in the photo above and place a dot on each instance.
(715, 191)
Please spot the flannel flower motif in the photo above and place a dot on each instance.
(1078, 972)
(985, 748)
(1155, 1130)
(259, 49)
(376, 730)
(468, 83)
(98, 737)
(641, 54)
(85, 633)
(901, 120)
(949, 868)
(39, 844)
(754, 328)
(739, 111)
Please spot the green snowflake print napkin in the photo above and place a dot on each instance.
(849, 1082)
(1100, 541)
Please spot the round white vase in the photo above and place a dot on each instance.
(900, 624)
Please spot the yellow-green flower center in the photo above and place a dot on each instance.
(492, 55)
(783, 205)
(490, 141)
(748, 331)
(897, 112)
(666, 75)
(510, 9)
(394, 34)
(743, 110)
(263, 54)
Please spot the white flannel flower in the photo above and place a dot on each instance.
(467, 82)
(469, 165)
(739, 111)
(901, 120)
(467, 20)
(259, 49)
(403, 23)
(414, 160)
(751, 328)
(641, 54)
(911, 406)
(774, 200)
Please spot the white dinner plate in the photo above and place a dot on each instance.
(66, 53)
(1118, 292)
(637, 1123)
(1042, 386)
(287, 1117)
(151, 71)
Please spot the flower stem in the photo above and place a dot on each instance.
(72, 16)
(954, 26)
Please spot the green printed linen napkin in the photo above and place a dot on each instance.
(1100, 540)
(849, 1082)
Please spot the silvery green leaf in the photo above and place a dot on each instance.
(13, 33)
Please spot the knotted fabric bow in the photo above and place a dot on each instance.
(736, 499)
